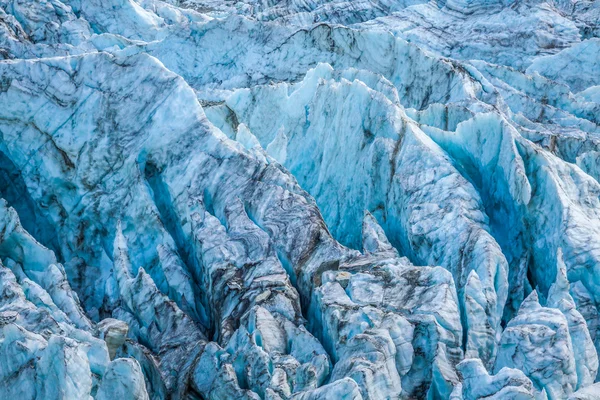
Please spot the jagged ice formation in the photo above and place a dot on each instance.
(323, 199)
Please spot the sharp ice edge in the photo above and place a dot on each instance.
(183, 185)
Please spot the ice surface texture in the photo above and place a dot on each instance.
(320, 199)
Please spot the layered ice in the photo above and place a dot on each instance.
(299, 200)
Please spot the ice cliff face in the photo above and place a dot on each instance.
(299, 200)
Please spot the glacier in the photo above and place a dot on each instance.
(304, 200)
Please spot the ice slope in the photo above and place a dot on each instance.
(388, 179)
(259, 298)
(566, 67)
(510, 33)
(299, 200)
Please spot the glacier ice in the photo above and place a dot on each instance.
(304, 200)
(537, 342)
(477, 383)
(123, 380)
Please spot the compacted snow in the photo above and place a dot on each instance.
(303, 199)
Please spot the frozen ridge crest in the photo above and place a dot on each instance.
(307, 200)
